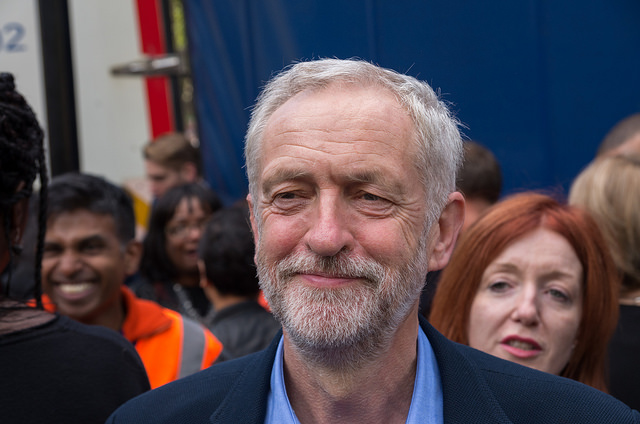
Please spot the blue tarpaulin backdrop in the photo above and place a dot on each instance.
(539, 82)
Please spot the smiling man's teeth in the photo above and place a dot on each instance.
(74, 288)
(520, 345)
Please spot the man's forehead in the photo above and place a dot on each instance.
(82, 221)
(338, 94)
(356, 113)
(158, 168)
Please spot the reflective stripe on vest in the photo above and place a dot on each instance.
(193, 343)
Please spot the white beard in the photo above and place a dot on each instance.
(346, 326)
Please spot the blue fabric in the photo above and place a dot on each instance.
(279, 410)
(426, 403)
(476, 388)
(527, 78)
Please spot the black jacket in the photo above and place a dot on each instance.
(477, 388)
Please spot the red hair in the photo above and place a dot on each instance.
(505, 223)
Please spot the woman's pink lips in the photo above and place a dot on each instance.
(521, 353)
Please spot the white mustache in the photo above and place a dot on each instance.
(339, 266)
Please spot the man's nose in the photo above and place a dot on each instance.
(156, 190)
(69, 263)
(329, 229)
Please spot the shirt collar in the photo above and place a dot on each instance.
(426, 402)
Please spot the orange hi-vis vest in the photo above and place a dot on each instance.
(170, 345)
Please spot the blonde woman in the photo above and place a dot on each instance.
(609, 188)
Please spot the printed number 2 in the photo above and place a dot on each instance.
(14, 32)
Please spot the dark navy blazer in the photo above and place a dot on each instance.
(477, 388)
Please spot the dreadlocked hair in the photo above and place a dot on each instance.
(22, 158)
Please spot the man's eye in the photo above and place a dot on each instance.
(286, 196)
(290, 201)
(371, 204)
(371, 197)
(91, 248)
(289, 198)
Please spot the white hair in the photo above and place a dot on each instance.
(436, 130)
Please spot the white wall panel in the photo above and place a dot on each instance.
(112, 115)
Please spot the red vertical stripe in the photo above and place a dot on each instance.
(153, 43)
(158, 96)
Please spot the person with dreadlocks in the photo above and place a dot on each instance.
(53, 369)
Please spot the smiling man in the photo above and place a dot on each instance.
(352, 189)
(89, 250)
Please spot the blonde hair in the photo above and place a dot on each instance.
(172, 150)
(609, 188)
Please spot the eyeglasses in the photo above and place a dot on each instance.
(183, 229)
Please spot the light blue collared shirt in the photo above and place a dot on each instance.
(426, 402)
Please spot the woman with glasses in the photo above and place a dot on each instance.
(169, 265)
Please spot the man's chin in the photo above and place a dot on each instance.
(81, 317)
(330, 334)
(334, 350)
(81, 313)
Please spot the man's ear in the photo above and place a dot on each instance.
(446, 232)
(132, 255)
(254, 227)
(203, 274)
(189, 172)
(210, 290)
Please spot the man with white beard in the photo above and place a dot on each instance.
(352, 190)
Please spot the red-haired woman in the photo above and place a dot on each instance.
(532, 282)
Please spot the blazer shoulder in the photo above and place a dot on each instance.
(194, 398)
(527, 395)
(478, 387)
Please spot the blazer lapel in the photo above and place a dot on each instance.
(466, 395)
(246, 402)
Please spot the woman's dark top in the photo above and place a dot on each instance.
(66, 372)
(624, 357)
